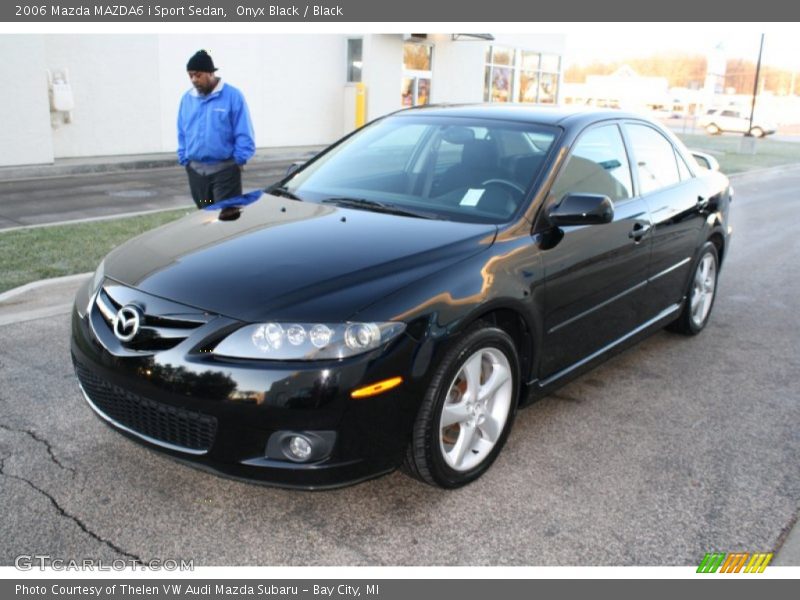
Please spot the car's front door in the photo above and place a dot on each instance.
(595, 275)
(731, 120)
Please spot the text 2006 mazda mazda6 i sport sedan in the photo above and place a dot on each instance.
(394, 301)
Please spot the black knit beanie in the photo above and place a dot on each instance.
(201, 61)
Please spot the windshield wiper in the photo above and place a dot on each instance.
(283, 191)
(375, 206)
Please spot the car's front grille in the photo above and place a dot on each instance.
(168, 426)
(157, 332)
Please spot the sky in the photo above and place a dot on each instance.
(621, 41)
(585, 41)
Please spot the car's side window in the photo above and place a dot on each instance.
(598, 164)
(656, 162)
(683, 168)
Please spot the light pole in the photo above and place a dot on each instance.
(755, 86)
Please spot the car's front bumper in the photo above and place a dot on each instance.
(219, 414)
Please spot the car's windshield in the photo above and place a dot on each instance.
(442, 167)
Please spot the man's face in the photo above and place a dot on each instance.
(202, 81)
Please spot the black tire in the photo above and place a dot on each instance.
(757, 132)
(688, 322)
(713, 129)
(426, 457)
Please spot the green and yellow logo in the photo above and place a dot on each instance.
(734, 562)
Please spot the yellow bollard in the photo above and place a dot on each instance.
(361, 104)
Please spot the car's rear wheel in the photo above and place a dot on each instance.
(757, 132)
(701, 294)
(467, 413)
(713, 129)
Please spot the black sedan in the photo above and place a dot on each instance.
(393, 301)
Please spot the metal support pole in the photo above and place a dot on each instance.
(755, 86)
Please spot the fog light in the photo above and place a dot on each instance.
(299, 448)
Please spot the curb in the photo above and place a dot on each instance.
(45, 171)
(787, 553)
(7, 295)
(764, 171)
(38, 313)
(94, 219)
(160, 161)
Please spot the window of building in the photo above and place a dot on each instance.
(354, 59)
(499, 74)
(415, 88)
(519, 75)
(655, 158)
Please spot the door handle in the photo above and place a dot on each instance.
(639, 231)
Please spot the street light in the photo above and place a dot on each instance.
(755, 88)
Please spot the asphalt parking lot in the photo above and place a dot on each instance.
(672, 449)
(30, 202)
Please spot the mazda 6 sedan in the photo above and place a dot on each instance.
(394, 301)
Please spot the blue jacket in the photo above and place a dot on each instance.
(215, 127)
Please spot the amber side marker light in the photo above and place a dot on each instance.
(376, 388)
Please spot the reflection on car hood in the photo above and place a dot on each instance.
(286, 260)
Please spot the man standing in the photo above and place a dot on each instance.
(215, 135)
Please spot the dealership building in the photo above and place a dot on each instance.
(113, 95)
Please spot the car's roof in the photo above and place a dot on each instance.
(545, 115)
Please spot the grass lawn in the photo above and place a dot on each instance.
(725, 148)
(31, 254)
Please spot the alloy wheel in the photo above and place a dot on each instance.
(476, 408)
(703, 287)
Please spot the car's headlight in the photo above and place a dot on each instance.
(97, 278)
(85, 297)
(306, 341)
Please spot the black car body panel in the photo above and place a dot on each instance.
(567, 296)
(257, 267)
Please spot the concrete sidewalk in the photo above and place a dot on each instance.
(65, 167)
(40, 299)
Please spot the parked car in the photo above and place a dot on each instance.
(393, 301)
(718, 120)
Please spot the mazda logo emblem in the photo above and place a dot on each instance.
(126, 323)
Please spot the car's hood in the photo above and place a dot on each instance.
(287, 260)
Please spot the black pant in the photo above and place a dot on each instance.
(207, 189)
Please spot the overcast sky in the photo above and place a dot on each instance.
(618, 42)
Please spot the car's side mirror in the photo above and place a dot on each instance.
(293, 167)
(581, 209)
(706, 160)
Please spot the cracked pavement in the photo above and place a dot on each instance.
(675, 448)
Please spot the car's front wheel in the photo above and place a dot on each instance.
(466, 414)
(701, 293)
(757, 132)
(713, 129)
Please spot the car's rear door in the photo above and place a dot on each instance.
(677, 202)
(594, 275)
